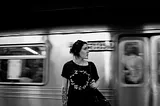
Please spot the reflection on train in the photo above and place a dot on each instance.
(127, 62)
(133, 64)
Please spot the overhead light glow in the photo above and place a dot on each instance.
(30, 50)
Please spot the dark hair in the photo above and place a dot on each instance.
(76, 47)
(133, 50)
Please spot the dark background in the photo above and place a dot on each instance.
(15, 15)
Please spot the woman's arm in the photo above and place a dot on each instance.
(94, 73)
(64, 91)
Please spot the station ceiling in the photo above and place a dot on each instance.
(46, 14)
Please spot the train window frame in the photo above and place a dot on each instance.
(157, 67)
(25, 57)
(122, 43)
(154, 57)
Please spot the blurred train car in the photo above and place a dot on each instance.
(31, 64)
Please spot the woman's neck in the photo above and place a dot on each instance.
(80, 61)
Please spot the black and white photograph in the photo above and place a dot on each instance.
(79, 53)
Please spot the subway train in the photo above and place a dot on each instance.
(31, 64)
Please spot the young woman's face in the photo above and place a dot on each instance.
(84, 52)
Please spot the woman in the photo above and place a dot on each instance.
(80, 75)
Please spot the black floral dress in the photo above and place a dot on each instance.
(79, 78)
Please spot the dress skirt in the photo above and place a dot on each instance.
(79, 98)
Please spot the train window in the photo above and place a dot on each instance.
(25, 50)
(23, 64)
(132, 62)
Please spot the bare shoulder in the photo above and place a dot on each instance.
(139, 58)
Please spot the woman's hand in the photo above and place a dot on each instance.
(93, 84)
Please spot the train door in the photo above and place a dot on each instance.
(134, 76)
(155, 68)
